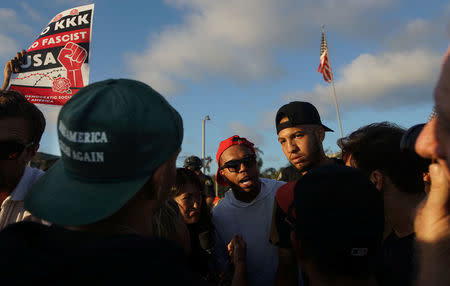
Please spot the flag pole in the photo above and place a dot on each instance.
(336, 105)
(334, 90)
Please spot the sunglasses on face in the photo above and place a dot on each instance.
(10, 150)
(235, 165)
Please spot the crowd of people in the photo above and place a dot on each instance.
(118, 210)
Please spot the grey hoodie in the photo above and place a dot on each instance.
(252, 221)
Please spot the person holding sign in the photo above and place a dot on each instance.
(12, 66)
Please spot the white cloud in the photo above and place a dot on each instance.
(402, 75)
(418, 26)
(378, 81)
(238, 39)
(8, 47)
(10, 25)
(34, 15)
(238, 128)
(420, 33)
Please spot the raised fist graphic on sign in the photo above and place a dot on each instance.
(72, 58)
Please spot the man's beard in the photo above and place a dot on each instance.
(313, 157)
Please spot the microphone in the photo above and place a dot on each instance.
(206, 241)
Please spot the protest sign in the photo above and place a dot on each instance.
(56, 65)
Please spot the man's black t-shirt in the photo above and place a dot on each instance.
(280, 230)
(34, 254)
(397, 263)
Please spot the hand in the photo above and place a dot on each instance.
(432, 226)
(72, 58)
(237, 249)
(12, 66)
(432, 223)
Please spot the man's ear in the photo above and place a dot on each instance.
(36, 148)
(222, 173)
(31, 152)
(320, 133)
(377, 179)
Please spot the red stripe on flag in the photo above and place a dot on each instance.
(324, 67)
(42, 95)
(59, 40)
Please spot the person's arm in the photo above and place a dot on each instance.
(7, 75)
(432, 226)
(12, 66)
(237, 250)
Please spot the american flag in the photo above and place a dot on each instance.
(324, 67)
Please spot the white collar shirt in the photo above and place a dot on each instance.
(12, 207)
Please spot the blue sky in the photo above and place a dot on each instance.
(238, 61)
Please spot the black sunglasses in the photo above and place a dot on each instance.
(11, 150)
(235, 165)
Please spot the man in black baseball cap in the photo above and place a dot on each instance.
(298, 113)
(300, 133)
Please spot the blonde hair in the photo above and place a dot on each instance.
(167, 222)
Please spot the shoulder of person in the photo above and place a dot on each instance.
(36, 171)
(271, 183)
(32, 174)
(285, 195)
(220, 208)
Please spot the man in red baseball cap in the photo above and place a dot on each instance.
(246, 210)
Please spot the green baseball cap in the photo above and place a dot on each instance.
(113, 135)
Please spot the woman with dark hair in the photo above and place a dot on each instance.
(192, 204)
(187, 194)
